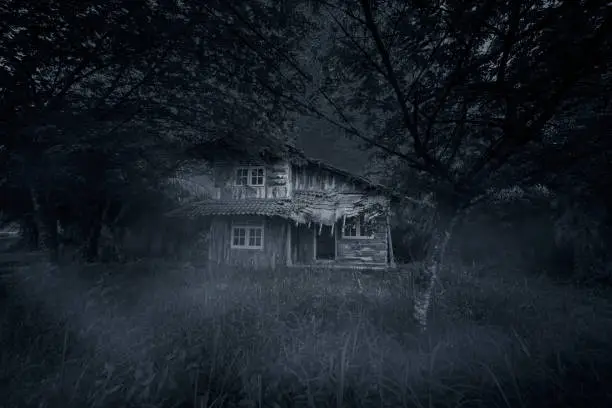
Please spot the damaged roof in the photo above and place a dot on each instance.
(298, 158)
(304, 207)
(234, 149)
(260, 206)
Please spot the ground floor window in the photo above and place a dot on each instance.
(247, 236)
(355, 227)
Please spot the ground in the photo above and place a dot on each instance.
(161, 334)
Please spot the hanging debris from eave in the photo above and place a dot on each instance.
(329, 208)
(304, 208)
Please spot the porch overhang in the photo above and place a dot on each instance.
(304, 207)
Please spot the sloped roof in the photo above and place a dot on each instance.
(267, 207)
(235, 148)
(298, 158)
(304, 207)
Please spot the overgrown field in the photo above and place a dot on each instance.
(154, 334)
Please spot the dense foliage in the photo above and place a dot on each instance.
(469, 99)
(470, 96)
(102, 100)
(489, 118)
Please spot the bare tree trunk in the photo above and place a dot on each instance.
(118, 242)
(435, 261)
(29, 232)
(95, 230)
(117, 231)
(46, 224)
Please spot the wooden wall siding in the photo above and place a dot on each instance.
(281, 180)
(348, 250)
(276, 181)
(312, 178)
(364, 250)
(273, 253)
(241, 192)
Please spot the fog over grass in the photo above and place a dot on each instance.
(163, 334)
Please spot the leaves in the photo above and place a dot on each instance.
(102, 100)
(462, 93)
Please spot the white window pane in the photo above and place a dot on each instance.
(257, 177)
(239, 236)
(242, 176)
(255, 235)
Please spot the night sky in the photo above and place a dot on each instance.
(323, 141)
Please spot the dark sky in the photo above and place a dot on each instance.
(316, 137)
(323, 141)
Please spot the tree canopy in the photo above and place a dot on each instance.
(469, 96)
(100, 100)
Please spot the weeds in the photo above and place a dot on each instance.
(174, 335)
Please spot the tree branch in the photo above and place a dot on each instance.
(376, 66)
(419, 148)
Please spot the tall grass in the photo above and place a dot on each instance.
(174, 335)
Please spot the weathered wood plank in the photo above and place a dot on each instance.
(287, 243)
(276, 183)
(272, 254)
(313, 178)
(365, 250)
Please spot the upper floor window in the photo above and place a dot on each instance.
(242, 176)
(250, 176)
(355, 227)
(257, 176)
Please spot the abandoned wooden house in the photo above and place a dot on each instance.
(291, 210)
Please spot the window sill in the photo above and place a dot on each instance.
(247, 247)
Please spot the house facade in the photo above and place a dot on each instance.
(294, 211)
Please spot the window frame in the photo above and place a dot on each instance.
(237, 177)
(357, 222)
(249, 176)
(248, 229)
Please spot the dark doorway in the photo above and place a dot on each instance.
(302, 244)
(325, 243)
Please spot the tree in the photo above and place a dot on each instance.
(462, 98)
(100, 99)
